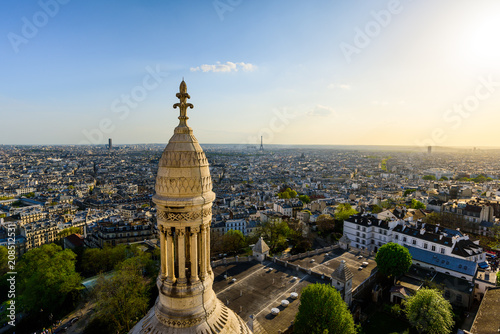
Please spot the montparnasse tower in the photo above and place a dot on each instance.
(184, 196)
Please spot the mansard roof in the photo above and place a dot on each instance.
(443, 261)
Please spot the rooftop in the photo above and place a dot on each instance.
(443, 261)
(487, 320)
(260, 287)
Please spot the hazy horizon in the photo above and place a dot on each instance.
(256, 147)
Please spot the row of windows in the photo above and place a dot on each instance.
(381, 231)
(426, 245)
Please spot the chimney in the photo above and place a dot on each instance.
(341, 266)
(440, 236)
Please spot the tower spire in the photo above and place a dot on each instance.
(183, 105)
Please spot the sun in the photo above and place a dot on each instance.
(483, 42)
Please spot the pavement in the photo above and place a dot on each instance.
(259, 287)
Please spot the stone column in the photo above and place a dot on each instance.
(209, 267)
(181, 251)
(170, 256)
(194, 253)
(203, 244)
(163, 255)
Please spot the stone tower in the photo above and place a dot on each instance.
(184, 196)
(342, 280)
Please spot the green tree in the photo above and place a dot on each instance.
(429, 312)
(344, 211)
(69, 231)
(408, 191)
(498, 278)
(325, 223)
(4, 260)
(123, 298)
(417, 204)
(393, 259)
(275, 232)
(233, 241)
(287, 193)
(322, 310)
(377, 209)
(443, 178)
(429, 178)
(386, 204)
(479, 179)
(284, 195)
(95, 261)
(304, 199)
(47, 279)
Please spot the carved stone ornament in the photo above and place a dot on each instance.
(183, 322)
(183, 216)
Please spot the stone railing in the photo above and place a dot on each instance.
(289, 257)
(231, 260)
(237, 259)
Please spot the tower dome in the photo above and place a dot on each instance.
(184, 197)
(183, 173)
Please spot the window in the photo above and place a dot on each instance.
(414, 241)
(425, 246)
(364, 235)
(396, 237)
(358, 227)
(404, 239)
(357, 239)
(442, 250)
(459, 298)
(447, 294)
(433, 248)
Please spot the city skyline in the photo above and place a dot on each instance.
(369, 73)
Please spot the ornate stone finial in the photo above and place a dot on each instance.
(183, 105)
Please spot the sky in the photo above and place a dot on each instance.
(336, 72)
